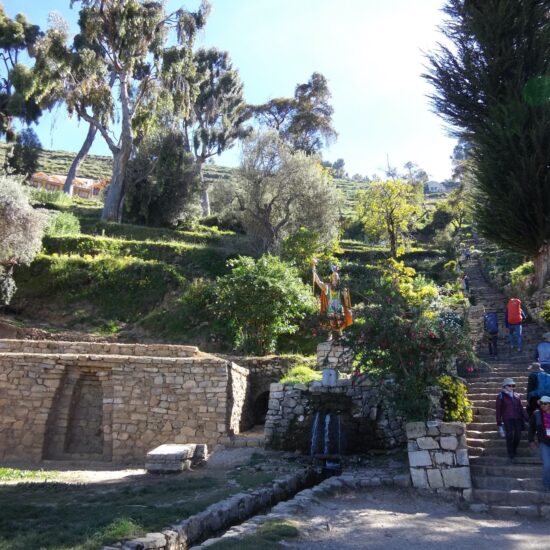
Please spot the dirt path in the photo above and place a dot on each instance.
(398, 519)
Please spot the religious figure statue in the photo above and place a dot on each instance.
(335, 303)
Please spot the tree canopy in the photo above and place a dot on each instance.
(491, 83)
(281, 191)
(304, 121)
(388, 210)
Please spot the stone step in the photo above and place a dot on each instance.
(518, 470)
(496, 455)
(503, 483)
(511, 498)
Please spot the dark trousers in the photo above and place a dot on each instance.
(512, 427)
(493, 341)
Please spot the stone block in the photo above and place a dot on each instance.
(412, 446)
(449, 443)
(427, 443)
(435, 480)
(418, 477)
(415, 430)
(462, 458)
(444, 458)
(457, 428)
(419, 458)
(170, 458)
(457, 477)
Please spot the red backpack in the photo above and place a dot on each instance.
(514, 311)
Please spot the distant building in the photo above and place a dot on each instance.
(86, 188)
(435, 187)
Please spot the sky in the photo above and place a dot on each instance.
(372, 53)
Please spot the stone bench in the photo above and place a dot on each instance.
(169, 457)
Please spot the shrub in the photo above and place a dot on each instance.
(23, 159)
(301, 374)
(63, 223)
(405, 333)
(21, 229)
(520, 275)
(261, 299)
(454, 401)
(50, 199)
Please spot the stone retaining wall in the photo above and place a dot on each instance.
(438, 456)
(368, 420)
(97, 348)
(137, 403)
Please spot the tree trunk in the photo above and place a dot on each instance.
(205, 198)
(114, 198)
(77, 161)
(542, 263)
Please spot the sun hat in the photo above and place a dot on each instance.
(545, 399)
(508, 382)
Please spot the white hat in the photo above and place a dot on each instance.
(545, 399)
(508, 382)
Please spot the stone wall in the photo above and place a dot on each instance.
(115, 407)
(438, 455)
(97, 348)
(366, 416)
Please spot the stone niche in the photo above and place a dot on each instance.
(360, 414)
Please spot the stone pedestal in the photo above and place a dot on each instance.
(334, 355)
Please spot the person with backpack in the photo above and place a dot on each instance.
(510, 416)
(539, 425)
(542, 353)
(538, 384)
(490, 324)
(513, 318)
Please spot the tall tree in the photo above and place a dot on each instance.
(17, 36)
(281, 191)
(388, 209)
(304, 121)
(127, 39)
(491, 84)
(218, 113)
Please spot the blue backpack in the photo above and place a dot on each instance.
(543, 352)
(543, 386)
(491, 322)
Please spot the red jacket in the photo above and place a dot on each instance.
(508, 408)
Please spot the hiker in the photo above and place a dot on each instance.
(510, 416)
(539, 424)
(465, 284)
(538, 384)
(542, 353)
(490, 324)
(513, 318)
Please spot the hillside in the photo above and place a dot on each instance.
(99, 167)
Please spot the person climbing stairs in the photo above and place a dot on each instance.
(498, 485)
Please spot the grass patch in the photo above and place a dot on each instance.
(266, 537)
(59, 516)
(14, 474)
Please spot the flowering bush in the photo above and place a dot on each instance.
(405, 332)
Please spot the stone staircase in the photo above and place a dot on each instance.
(498, 485)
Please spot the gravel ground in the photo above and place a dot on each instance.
(392, 519)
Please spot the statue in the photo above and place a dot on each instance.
(335, 303)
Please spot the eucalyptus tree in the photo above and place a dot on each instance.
(491, 83)
(17, 36)
(304, 121)
(117, 65)
(218, 112)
